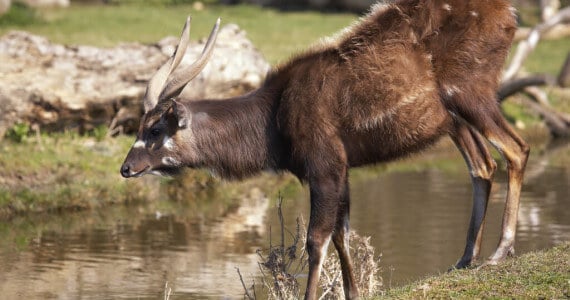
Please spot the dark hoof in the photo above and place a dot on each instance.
(461, 264)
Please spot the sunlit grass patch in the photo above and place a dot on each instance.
(277, 34)
(20, 15)
(536, 275)
(548, 56)
(66, 171)
(63, 171)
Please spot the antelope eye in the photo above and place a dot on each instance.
(155, 132)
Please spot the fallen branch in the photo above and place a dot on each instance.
(558, 123)
(559, 31)
(538, 94)
(247, 294)
(563, 79)
(279, 275)
(513, 86)
(527, 46)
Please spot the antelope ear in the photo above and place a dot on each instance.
(181, 113)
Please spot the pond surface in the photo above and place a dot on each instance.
(417, 219)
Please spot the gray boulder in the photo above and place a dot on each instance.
(4, 6)
(46, 3)
(61, 87)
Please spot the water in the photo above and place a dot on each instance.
(417, 220)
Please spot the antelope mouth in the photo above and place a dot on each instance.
(129, 173)
(141, 173)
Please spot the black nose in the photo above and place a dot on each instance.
(125, 171)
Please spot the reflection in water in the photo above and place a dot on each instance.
(417, 219)
(132, 255)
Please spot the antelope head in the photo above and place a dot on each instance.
(164, 139)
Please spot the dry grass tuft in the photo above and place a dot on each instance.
(281, 266)
(366, 266)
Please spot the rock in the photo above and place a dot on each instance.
(4, 6)
(81, 87)
(198, 6)
(46, 3)
(235, 68)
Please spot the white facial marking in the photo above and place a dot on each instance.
(170, 161)
(139, 144)
(447, 7)
(168, 143)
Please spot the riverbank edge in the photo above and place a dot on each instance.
(542, 274)
(64, 173)
(61, 174)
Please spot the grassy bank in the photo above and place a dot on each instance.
(535, 275)
(543, 274)
(63, 172)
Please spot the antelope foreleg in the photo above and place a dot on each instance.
(325, 197)
(341, 237)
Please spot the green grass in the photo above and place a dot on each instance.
(19, 16)
(537, 275)
(278, 35)
(548, 56)
(62, 172)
